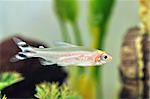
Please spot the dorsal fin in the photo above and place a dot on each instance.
(63, 44)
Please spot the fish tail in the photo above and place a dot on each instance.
(26, 50)
(23, 45)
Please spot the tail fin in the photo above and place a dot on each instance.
(27, 51)
(23, 45)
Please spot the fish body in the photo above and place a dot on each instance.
(63, 54)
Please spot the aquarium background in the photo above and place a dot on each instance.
(37, 20)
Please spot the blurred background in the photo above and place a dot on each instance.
(94, 23)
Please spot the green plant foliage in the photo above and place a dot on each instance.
(66, 10)
(8, 78)
(99, 15)
(4, 97)
(47, 90)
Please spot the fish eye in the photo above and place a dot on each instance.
(105, 57)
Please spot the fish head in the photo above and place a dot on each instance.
(102, 58)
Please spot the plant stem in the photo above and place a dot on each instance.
(65, 34)
(77, 33)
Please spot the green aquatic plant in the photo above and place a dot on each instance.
(9, 78)
(98, 17)
(3, 97)
(47, 90)
(67, 13)
(65, 16)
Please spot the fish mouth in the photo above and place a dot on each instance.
(110, 59)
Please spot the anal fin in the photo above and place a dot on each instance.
(45, 62)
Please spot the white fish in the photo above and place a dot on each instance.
(63, 54)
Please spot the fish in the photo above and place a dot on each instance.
(62, 54)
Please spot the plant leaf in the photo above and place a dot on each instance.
(47, 90)
(8, 78)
